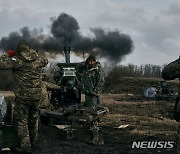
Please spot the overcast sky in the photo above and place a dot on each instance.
(153, 25)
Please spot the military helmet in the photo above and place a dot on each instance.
(21, 47)
(91, 57)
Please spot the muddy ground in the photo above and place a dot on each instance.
(146, 120)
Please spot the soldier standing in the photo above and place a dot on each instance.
(91, 79)
(27, 70)
(171, 72)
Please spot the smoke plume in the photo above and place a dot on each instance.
(110, 44)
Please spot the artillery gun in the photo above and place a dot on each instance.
(65, 76)
(80, 121)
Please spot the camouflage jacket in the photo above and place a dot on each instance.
(27, 70)
(90, 79)
(172, 70)
(45, 103)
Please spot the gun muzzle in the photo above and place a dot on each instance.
(67, 54)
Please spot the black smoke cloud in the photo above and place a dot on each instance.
(32, 37)
(112, 45)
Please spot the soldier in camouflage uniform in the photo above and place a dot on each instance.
(171, 72)
(27, 70)
(91, 79)
(46, 85)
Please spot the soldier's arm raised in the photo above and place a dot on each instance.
(43, 60)
(6, 63)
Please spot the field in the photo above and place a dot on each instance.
(143, 120)
(146, 120)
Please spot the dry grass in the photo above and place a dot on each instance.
(148, 118)
(136, 85)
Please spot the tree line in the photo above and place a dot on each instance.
(112, 72)
(131, 70)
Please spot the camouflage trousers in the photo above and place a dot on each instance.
(91, 101)
(26, 117)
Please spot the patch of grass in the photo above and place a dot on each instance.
(146, 119)
(136, 85)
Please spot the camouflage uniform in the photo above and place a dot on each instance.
(45, 103)
(170, 72)
(27, 70)
(91, 80)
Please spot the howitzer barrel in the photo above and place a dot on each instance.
(67, 54)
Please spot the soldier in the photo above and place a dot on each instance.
(91, 78)
(171, 72)
(27, 69)
(46, 85)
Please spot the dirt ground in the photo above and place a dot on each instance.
(145, 120)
